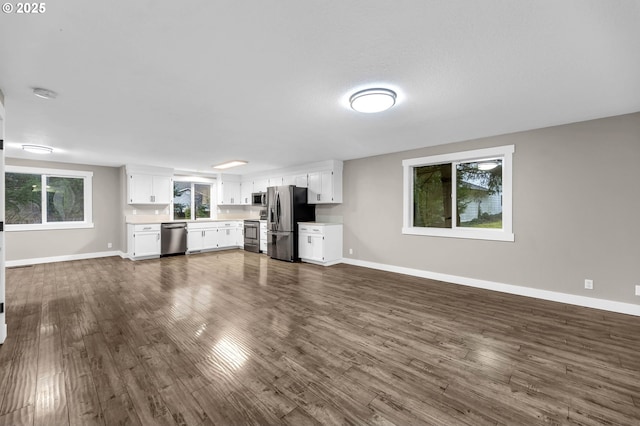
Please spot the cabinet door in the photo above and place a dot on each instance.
(301, 181)
(260, 185)
(310, 246)
(210, 238)
(320, 187)
(326, 194)
(246, 189)
(226, 237)
(195, 239)
(314, 187)
(162, 189)
(140, 189)
(276, 181)
(240, 236)
(146, 244)
(230, 192)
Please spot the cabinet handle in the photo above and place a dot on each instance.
(316, 230)
(158, 237)
(318, 197)
(309, 239)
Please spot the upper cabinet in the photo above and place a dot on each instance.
(260, 185)
(297, 180)
(149, 186)
(229, 190)
(325, 187)
(246, 189)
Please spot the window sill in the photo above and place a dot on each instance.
(48, 226)
(471, 234)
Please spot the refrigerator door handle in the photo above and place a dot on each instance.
(278, 210)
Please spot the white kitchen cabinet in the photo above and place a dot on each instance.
(246, 189)
(227, 234)
(143, 241)
(149, 189)
(324, 187)
(299, 180)
(228, 190)
(239, 233)
(260, 185)
(202, 236)
(263, 236)
(320, 243)
(276, 181)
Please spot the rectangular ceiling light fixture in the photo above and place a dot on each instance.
(229, 164)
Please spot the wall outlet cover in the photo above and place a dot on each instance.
(638, 290)
(588, 284)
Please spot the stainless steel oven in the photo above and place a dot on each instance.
(252, 235)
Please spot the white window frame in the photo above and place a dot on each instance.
(192, 180)
(505, 153)
(44, 174)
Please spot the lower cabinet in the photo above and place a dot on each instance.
(143, 241)
(227, 234)
(320, 243)
(263, 236)
(203, 236)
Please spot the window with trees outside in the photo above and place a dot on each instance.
(38, 198)
(461, 195)
(191, 200)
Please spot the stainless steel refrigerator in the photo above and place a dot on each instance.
(286, 206)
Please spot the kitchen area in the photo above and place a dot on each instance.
(169, 213)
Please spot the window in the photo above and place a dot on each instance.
(64, 203)
(191, 200)
(460, 195)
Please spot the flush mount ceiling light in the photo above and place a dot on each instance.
(229, 164)
(487, 165)
(372, 100)
(37, 149)
(44, 93)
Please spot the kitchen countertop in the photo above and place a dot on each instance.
(145, 220)
(319, 223)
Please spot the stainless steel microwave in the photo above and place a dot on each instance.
(259, 199)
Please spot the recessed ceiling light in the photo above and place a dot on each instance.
(44, 93)
(37, 149)
(229, 164)
(373, 100)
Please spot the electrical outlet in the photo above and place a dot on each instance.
(350, 251)
(109, 245)
(588, 284)
(156, 211)
(134, 211)
(638, 290)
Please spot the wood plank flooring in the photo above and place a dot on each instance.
(233, 337)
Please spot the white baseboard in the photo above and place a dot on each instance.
(3, 333)
(38, 260)
(571, 299)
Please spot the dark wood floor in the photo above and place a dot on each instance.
(237, 338)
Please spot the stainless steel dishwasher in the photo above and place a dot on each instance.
(173, 238)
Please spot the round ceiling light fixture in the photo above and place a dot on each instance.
(487, 165)
(37, 149)
(44, 93)
(373, 100)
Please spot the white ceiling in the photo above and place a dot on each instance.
(192, 84)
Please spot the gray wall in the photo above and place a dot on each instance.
(107, 218)
(576, 212)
